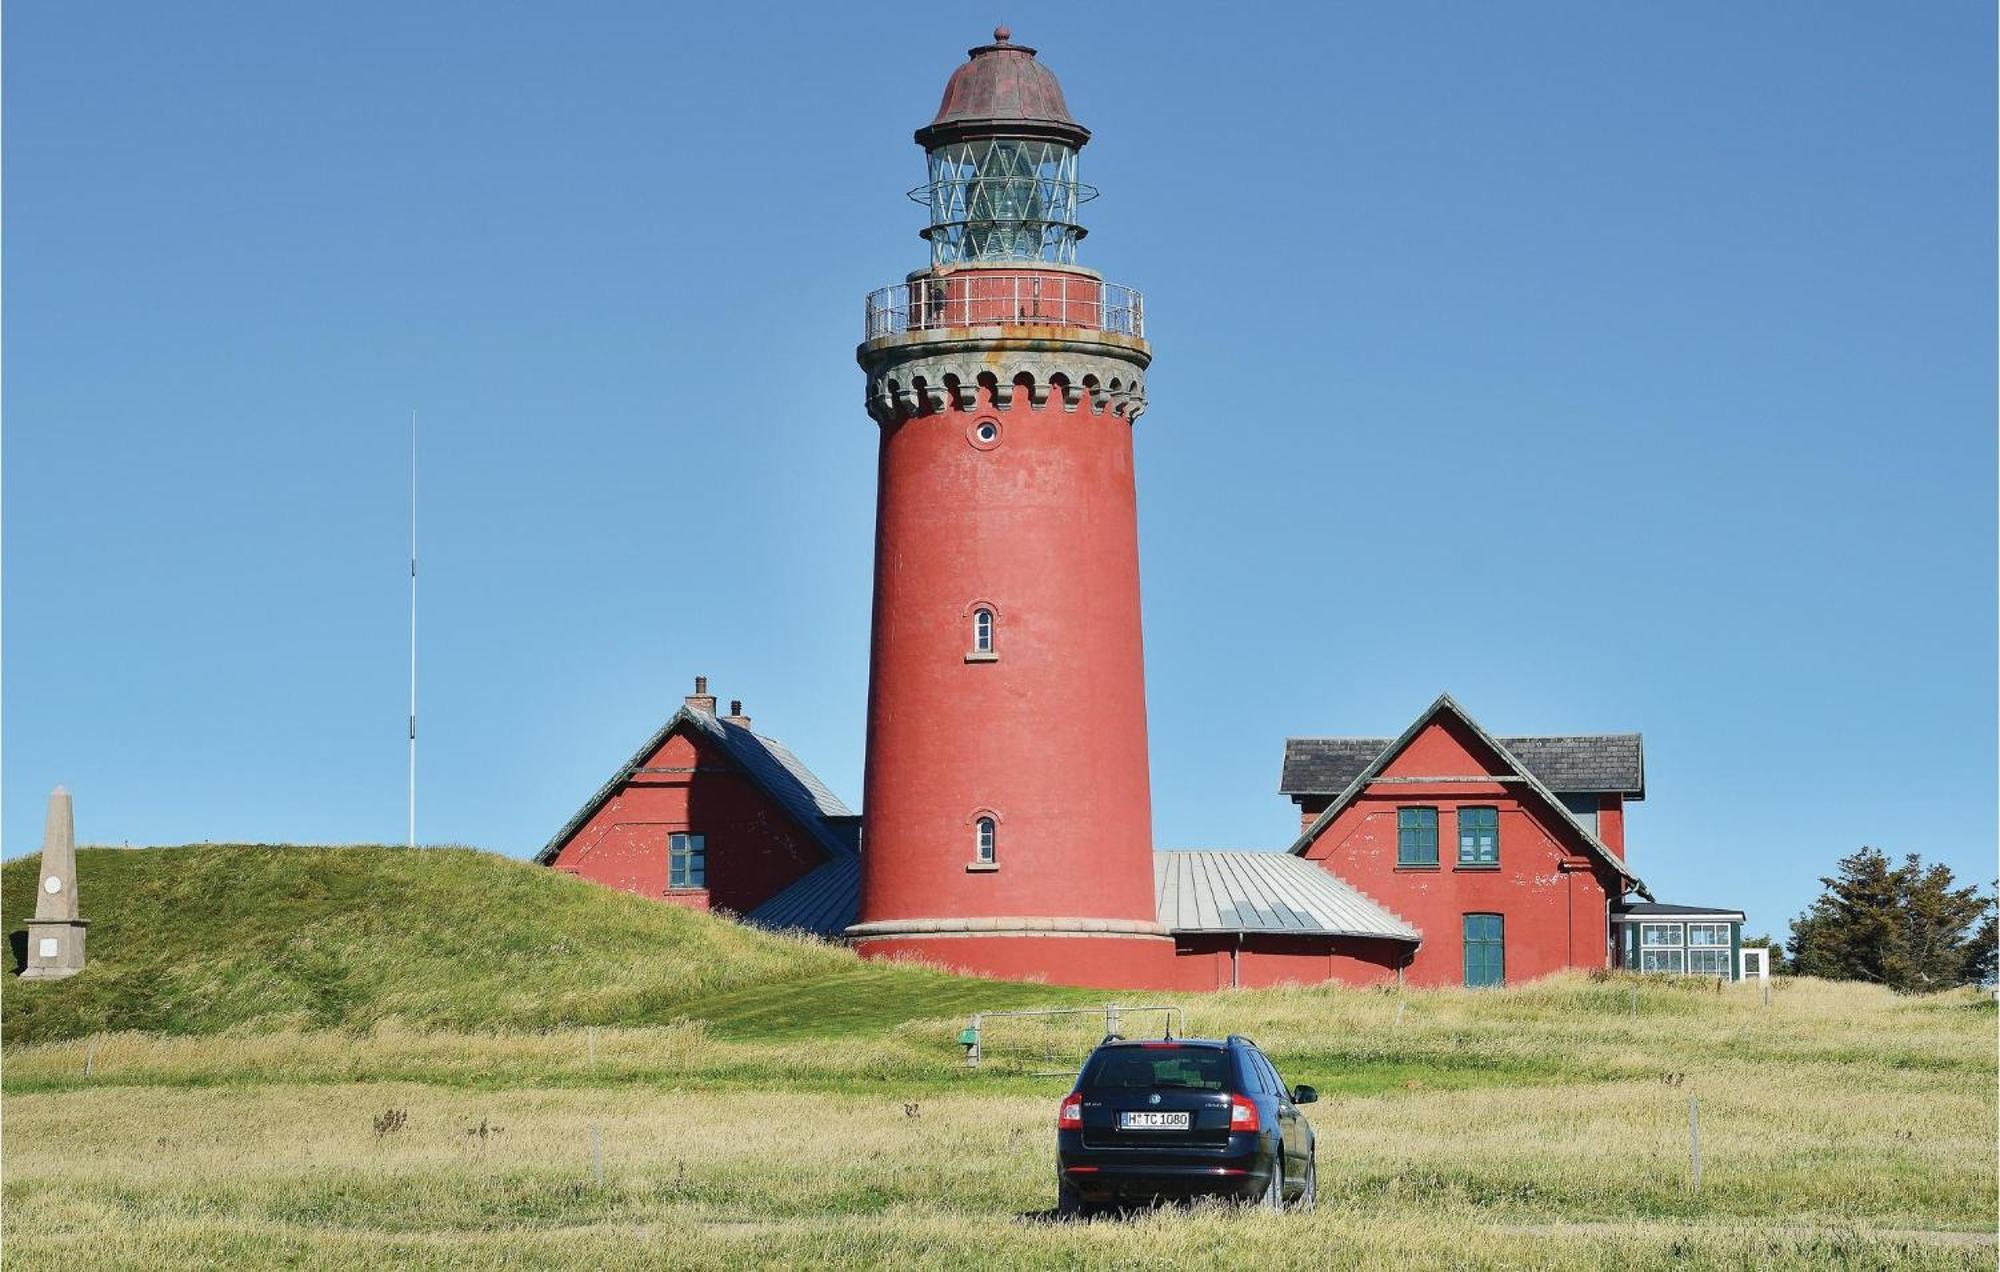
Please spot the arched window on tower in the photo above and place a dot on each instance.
(982, 631)
(985, 841)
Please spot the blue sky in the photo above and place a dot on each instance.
(1610, 366)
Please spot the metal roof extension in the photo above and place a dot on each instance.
(822, 901)
(1272, 893)
(1265, 892)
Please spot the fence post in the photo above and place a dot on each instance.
(590, 1044)
(1399, 1010)
(1694, 1141)
(1635, 1001)
(1110, 1019)
(596, 1155)
(1767, 993)
(90, 1057)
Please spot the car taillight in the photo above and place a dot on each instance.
(1069, 1117)
(1242, 1113)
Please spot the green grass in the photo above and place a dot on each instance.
(219, 937)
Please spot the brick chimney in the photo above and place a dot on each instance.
(701, 699)
(736, 716)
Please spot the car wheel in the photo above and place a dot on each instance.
(1309, 1195)
(1274, 1192)
(1070, 1203)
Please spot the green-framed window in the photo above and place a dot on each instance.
(1478, 836)
(1485, 950)
(687, 861)
(1416, 836)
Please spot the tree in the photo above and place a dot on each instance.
(1775, 959)
(1982, 955)
(1909, 927)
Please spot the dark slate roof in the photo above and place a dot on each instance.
(1661, 910)
(766, 761)
(1274, 892)
(1445, 704)
(1568, 764)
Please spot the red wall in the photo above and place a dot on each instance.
(1611, 823)
(1552, 891)
(1194, 962)
(754, 848)
(1204, 961)
(1050, 736)
(1102, 962)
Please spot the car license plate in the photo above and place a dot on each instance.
(1147, 1121)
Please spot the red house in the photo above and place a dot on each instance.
(710, 815)
(1508, 854)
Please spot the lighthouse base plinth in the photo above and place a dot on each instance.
(1106, 954)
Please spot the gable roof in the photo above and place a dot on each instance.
(1272, 892)
(1446, 705)
(766, 761)
(1569, 764)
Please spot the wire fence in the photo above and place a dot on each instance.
(1055, 1041)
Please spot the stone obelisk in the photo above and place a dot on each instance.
(55, 934)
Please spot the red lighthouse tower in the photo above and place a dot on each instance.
(1008, 812)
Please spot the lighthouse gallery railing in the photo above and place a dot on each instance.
(986, 298)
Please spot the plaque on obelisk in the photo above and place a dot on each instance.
(55, 934)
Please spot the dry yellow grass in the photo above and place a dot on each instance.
(1540, 1127)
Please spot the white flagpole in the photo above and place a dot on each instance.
(413, 629)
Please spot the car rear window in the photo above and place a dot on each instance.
(1138, 1068)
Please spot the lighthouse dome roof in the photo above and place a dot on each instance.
(1002, 91)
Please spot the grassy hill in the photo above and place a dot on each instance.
(217, 937)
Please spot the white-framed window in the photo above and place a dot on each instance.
(1658, 935)
(1708, 934)
(982, 630)
(1662, 960)
(687, 860)
(985, 841)
(1708, 962)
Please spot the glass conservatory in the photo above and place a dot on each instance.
(1678, 940)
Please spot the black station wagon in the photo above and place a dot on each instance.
(1181, 1118)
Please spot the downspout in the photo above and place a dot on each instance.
(1235, 963)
